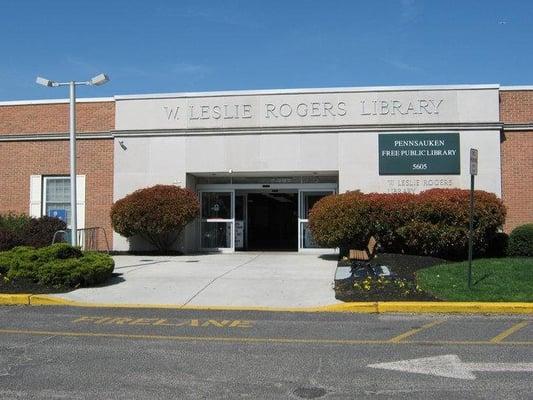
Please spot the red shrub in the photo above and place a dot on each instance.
(434, 222)
(341, 220)
(158, 214)
(39, 232)
(445, 213)
(22, 230)
(9, 239)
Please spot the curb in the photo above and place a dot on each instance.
(454, 307)
(380, 307)
(15, 299)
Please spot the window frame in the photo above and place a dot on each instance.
(45, 179)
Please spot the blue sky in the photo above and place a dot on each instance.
(180, 46)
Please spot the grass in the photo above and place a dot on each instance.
(493, 279)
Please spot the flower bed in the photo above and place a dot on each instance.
(402, 287)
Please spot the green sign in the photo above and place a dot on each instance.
(419, 154)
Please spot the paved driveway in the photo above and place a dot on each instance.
(239, 280)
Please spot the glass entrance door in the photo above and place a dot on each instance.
(217, 220)
(307, 199)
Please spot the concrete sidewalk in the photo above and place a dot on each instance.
(224, 280)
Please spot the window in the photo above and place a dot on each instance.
(56, 197)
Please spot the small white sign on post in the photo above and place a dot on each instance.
(473, 161)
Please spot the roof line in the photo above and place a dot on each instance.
(517, 87)
(306, 91)
(56, 101)
(331, 90)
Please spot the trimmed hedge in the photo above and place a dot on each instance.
(521, 241)
(433, 223)
(22, 230)
(59, 265)
(158, 214)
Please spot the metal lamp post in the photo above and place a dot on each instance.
(98, 80)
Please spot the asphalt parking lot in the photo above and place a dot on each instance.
(162, 353)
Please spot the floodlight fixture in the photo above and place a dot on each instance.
(99, 80)
(45, 82)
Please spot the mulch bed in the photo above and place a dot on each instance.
(30, 288)
(403, 265)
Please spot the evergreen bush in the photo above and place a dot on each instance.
(521, 241)
(59, 265)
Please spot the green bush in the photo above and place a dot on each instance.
(498, 245)
(59, 265)
(432, 223)
(158, 214)
(521, 241)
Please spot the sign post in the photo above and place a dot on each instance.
(473, 173)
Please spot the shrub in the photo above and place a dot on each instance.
(440, 223)
(92, 268)
(389, 211)
(18, 230)
(433, 223)
(158, 214)
(14, 222)
(58, 251)
(39, 232)
(341, 220)
(498, 245)
(59, 265)
(521, 241)
(9, 239)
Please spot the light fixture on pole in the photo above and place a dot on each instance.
(98, 80)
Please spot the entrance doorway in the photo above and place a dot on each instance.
(258, 216)
(272, 221)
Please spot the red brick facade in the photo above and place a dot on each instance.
(51, 157)
(21, 158)
(54, 118)
(516, 107)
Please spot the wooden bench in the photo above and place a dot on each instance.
(365, 254)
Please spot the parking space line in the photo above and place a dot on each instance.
(508, 332)
(191, 338)
(414, 331)
(259, 340)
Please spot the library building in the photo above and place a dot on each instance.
(259, 160)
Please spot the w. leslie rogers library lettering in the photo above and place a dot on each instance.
(419, 154)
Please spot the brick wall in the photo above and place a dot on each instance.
(517, 158)
(20, 159)
(54, 118)
(516, 106)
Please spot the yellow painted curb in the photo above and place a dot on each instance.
(353, 307)
(15, 299)
(45, 300)
(454, 307)
(359, 307)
